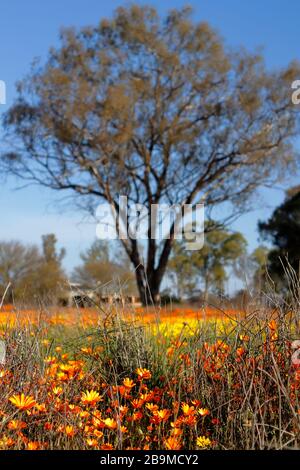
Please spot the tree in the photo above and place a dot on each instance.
(48, 278)
(283, 231)
(209, 265)
(258, 265)
(99, 269)
(32, 274)
(182, 270)
(155, 109)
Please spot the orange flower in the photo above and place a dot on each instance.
(110, 423)
(272, 325)
(143, 374)
(151, 407)
(176, 432)
(163, 415)
(187, 410)
(137, 403)
(57, 390)
(240, 352)
(22, 402)
(50, 360)
(42, 407)
(203, 411)
(244, 338)
(128, 383)
(16, 425)
(92, 442)
(33, 445)
(107, 446)
(137, 416)
(70, 431)
(6, 442)
(90, 397)
(173, 443)
(87, 350)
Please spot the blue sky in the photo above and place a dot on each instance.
(28, 29)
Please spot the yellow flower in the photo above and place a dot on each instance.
(32, 445)
(92, 442)
(143, 373)
(57, 390)
(128, 383)
(110, 423)
(90, 397)
(152, 407)
(70, 431)
(187, 410)
(22, 402)
(163, 415)
(203, 411)
(203, 442)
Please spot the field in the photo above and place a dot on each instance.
(170, 378)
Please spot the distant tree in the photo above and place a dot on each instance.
(48, 278)
(210, 264)
(33, 274)
(283, 231)
(182, 271)
(258, 265)
(99, 269)
(155, 109)
(17, 262)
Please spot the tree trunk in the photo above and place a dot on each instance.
(148, 287)
(149, 279)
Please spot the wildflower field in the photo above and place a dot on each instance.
(148, 379)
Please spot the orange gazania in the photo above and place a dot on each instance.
(143, 373)
(107, 446)
(70, 431)
(187, 409)
(128, 383)
(33, 445)
(90, 397)
(203, 411)
(110, 423)
(22, 402)
(163, 415)
(92, 442)
(173, 443)
(16, 425)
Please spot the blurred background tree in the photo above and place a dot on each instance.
(207, 268)
(283, 231)
(34, 274)
(100, 270)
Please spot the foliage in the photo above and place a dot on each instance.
(207, 266)
(99, 268)
(33, 275)
(283, 230)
